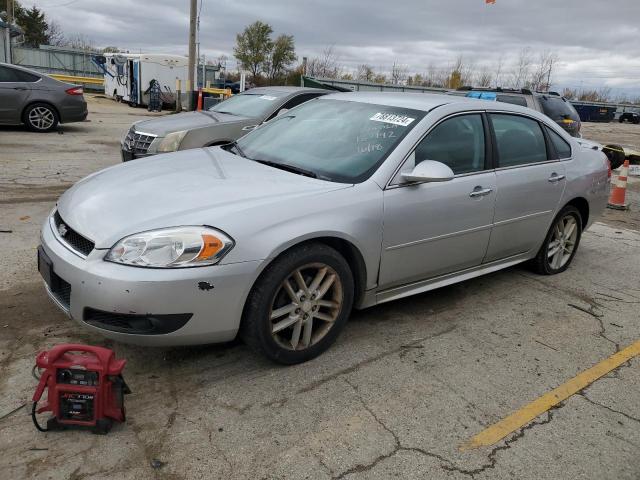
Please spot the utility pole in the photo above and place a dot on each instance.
(192, 52)
(8, 32)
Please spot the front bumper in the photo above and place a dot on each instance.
(213, 296)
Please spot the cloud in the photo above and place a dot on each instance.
(595, 40)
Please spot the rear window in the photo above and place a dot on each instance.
(558, 108)
(512, 99)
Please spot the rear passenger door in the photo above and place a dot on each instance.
(14, 94)
(530, 180)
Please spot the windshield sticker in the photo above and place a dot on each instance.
(268, 97)
(392, 118)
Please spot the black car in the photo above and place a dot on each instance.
(631, 117)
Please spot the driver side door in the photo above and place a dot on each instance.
(432, 229)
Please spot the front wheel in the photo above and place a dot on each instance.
(560, 244)
(299, 305)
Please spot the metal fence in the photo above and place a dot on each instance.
(49, 59)
(357, 86)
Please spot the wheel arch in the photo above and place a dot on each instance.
(346, 248)
(582, 205)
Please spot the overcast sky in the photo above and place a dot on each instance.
(597, 41)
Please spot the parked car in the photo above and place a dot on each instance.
(37, 100)
(552, 104)
(349, 200)
(631, 117)
(223, 123)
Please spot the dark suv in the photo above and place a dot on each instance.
(552, 104)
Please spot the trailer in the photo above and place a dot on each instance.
(128, 76)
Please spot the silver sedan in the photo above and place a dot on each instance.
(349, 200)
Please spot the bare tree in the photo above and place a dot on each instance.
(520, 74)
(498, 71)
(324, 66)
(399, 73)
(459, 73)
(365, 73)
(55, 34)
(483, 77)
(380, 78)
(541, 76)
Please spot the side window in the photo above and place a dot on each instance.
(457, 142)
(7, 74)
(520, 140)
(513, 99)
(563, 149)
(25, 76)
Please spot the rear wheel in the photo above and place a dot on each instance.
(41, 117)
(299, 305)
(560, 244)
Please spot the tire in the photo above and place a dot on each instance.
(41, 117)
(270, 296)
(546, 264)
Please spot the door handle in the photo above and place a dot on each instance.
(480, 192)
(249, 128)
(556, 178)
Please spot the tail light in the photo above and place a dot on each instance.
(75, 91)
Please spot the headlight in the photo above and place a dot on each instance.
(172, 248)
(171, 142)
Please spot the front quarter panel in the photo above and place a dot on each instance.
(353, 214)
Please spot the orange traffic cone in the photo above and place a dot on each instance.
(618, 193)
(199, 107)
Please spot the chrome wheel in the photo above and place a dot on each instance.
(563, 241)
(306, 306)
(41, 118)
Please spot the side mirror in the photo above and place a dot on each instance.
(282, 111)
(429, 171)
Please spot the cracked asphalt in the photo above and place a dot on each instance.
(404, 386)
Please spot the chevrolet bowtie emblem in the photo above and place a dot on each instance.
(62, 229)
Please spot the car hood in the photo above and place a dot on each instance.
(161, 126)
(207, 186)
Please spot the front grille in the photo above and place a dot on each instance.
(136, 324)
(137, 143)
(69, 235)
(61, 290)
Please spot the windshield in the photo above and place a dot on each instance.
(335, 140)
(249, 104)
(558, 108)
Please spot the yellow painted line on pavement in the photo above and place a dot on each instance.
(520, 418)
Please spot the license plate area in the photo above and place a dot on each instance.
(45, 267)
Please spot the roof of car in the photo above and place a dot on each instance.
(416, 101)
(285, 89)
